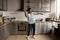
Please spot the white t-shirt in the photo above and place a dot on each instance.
(30, 18)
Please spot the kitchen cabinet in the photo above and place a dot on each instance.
(7, 30)
(40, 5)
(12, 28)
(2, 37)
(37, 31)
(40, 27)
(3, 5)
(35, 5)
(43, 27)
(46, 5)
(4, 33)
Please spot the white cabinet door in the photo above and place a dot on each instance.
(2, 34)
(36, 28)
(39, 27)
(35, 5)
(43, 27)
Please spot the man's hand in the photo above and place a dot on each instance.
(25, 13)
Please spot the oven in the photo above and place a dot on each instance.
(22, 27)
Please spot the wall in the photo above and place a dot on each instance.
(58, 9)
(20, 16)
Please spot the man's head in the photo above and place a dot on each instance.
(29, 10)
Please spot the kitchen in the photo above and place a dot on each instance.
(13, 23)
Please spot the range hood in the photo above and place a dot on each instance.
(21, 6)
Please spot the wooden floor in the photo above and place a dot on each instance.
(23, 37)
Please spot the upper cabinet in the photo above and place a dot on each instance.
(35, 5)
(46, 5)
(40, 5)
(3, 5)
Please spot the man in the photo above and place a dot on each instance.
(31, 22)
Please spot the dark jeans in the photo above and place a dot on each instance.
(31, 27)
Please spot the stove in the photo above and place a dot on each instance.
(22, 27)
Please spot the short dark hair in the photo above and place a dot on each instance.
(28, 9)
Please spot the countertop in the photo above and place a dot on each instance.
(57, 21)
(2, 25)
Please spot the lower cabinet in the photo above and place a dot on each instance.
(12, 28)
(17, 28)
(2, 34)
(43, 27)
(6, 32)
